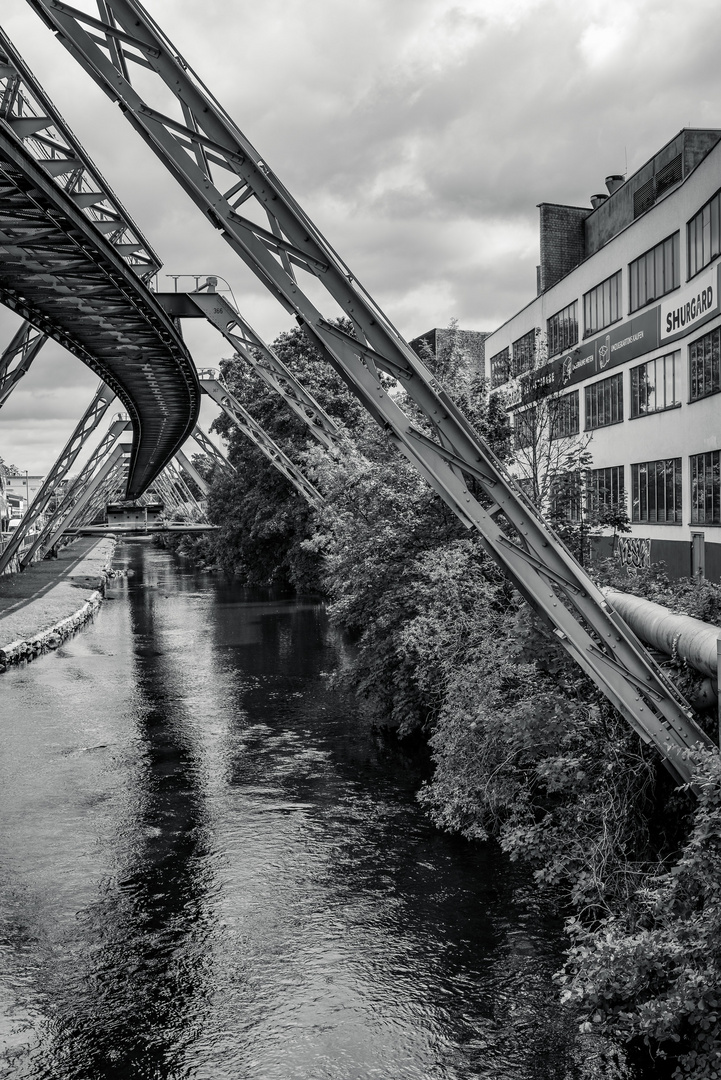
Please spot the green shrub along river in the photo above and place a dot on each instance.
(527, 754)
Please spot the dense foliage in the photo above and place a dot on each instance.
(525, 750)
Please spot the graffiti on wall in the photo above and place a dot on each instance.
(634, 552)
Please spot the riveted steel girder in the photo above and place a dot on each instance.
(252, 430)
(63, 271)
(222, 172)
(87, 424)
(73, 491)
(26, 343)
(211, 450)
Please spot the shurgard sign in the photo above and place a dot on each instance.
(691, 306)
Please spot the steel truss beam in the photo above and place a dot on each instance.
(74, 264)
(240, 416)
(263, 360)
(211, 450)
(41, 543)
(187, 465)
(111, 473)
(26, 343)
(177, 480)
(221, 170)
(86, 426)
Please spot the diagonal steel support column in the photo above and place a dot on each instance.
(22, 350)
(192, 472)
(253, 431)
(211, 450)
(221, 170)
(263, 360)
(75, 489)
(89, 421)
(115, 465)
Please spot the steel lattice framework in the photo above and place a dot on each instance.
(24, 346)
(72, 263)
(242, 197)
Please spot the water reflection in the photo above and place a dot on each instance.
(212, 868)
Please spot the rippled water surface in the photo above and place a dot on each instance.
(210, 867)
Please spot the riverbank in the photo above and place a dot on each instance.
(52, 598)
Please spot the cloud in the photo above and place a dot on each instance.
(419, 135)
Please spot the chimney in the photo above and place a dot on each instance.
(597, 200)
(613, 183)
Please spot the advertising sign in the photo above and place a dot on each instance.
(677, 315)
(691, 306)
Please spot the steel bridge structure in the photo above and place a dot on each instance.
(75, 266)
(60, 271)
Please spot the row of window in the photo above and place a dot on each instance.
(651, 276)
(655, 491)
(655, 386)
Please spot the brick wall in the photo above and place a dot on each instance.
(562, 241)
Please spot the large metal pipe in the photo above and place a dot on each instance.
(691, 639)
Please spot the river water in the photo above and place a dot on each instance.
(211, 867)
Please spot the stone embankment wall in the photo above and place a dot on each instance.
(40, 608)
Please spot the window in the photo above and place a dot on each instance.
(656, 491)
(524, 352)
(605, 488)
(562, 329)
(500, 368)
(604, 402)
(602, 305)
(524, 428)
(703, 234)
(564, 418)
(704, 364)
(705, 489)
(655, 273)
(655, 385)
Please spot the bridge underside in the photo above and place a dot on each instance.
(58, 272)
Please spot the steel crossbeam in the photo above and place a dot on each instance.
(240, 416)
(26, 343)
(87, 424)
(263, 360)
(74, 490)
(221, 171)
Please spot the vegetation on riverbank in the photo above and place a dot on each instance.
(526, 751)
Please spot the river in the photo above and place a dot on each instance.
(212, 867)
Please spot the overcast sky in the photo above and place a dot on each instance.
(420, 135)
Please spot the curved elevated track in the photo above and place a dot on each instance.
(73, 264)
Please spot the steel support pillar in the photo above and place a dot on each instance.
(116, 462)
(40, 545)
(25, 345)
(211, 450)
(187, 465)
(240, 416)
(89, 421)
(260, 357)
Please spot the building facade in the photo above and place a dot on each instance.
(626, 332)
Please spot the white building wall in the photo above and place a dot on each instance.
(692, 428)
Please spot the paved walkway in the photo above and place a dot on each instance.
(51, 590)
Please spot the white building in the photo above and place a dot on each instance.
(627, 321)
